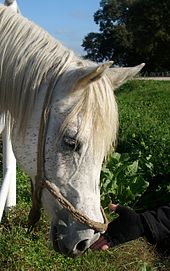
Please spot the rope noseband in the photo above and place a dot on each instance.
(42, 182)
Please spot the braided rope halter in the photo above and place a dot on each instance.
(42, 182)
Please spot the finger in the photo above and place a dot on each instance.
(104, 247)
(100, 244)
(100, 241)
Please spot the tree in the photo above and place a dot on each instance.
(131, 31)
(151, 36)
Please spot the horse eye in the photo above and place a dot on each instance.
(71, 143)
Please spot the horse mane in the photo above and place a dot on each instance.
(28, 55)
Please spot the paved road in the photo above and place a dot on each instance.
(155, 78)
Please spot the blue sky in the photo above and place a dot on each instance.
(67, 20)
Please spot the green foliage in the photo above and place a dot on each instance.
(143, 150)
(123, 178)
(146, 267)
(145, 121)
(24, 194)
(131, 32)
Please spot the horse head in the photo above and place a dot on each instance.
(82, 126)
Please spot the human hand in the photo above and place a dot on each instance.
(128, 226)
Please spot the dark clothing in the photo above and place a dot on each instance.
(156, 224)
(153, 224)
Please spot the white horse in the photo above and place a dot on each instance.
(64, 120)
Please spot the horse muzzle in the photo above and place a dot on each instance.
(74, 243)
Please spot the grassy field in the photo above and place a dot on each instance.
(144, 127)
(145, 133)
(139, 173)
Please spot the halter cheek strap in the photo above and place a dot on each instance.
(42, 182)
(35, 211)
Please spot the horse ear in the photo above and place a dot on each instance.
(12, 4)
(87, 75)
(119, 76)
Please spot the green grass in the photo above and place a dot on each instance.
(144, 127)
(145, 118)
(20, 251)
(139, 173)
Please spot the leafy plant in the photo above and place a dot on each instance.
(146, 267)
(122, 178)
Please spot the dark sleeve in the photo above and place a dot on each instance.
(156, 224)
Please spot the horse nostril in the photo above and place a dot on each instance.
(81, 246)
